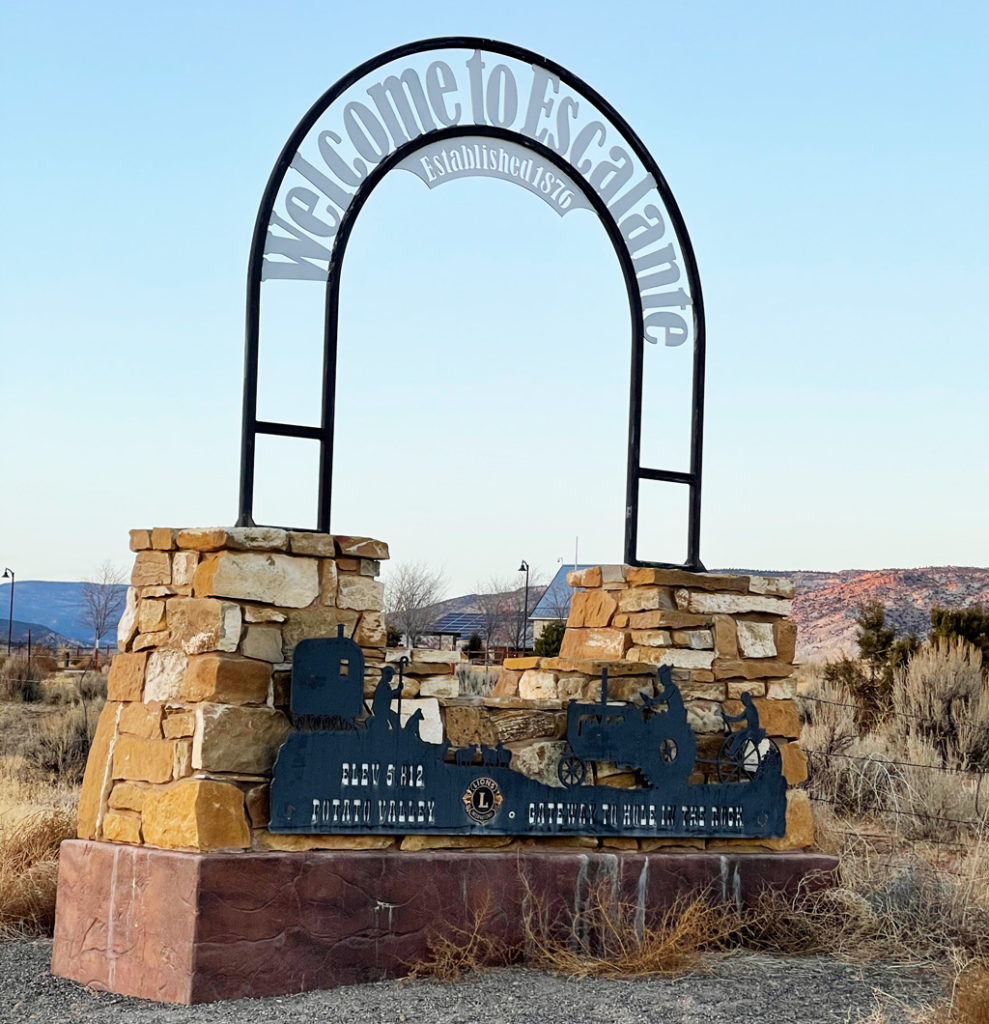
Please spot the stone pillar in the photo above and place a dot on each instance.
(198, 695)
(723, 635)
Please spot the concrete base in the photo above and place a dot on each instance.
(191, 927)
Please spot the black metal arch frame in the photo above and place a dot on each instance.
(252, 426)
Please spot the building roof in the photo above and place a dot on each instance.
(457, 624)
(555, 602)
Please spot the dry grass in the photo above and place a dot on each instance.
(611, 939)
(454, 952)
(942, 698)
(37, 811)
(917, 772)
(605, 939)
(29, 867)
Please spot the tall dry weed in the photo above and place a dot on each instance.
(912, 772)
(942, 700)
(57, 744)
(19, 680)
(29, 868)
(607, 938)
(456, 951)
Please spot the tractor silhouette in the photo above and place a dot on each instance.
(652, 737)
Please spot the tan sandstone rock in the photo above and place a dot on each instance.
(731, 604)
(585, 577)
(277, 579)
(151, 616)
(196, 814)
(142, 760)
(202, 540)
(361, 593)
(777, 717)
(591, 608)
(128, 796)
(227, 679)
(263, 643)
(126, 678)
(644, 599)
(774, 586)
(144, 720)
(678, 657)
(257, 538)
(265, 840)
(536, 684)
(98, 778)
(595, 643)
(152, 568)
(755, 639)
(127, 626)
(319, 545)
(177, 724)
(235, 738)
(361, 547)
(761, 668)
(122, 827)
(412, 843)
(201, 624)
(163, 676)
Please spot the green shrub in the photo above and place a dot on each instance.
(971, 624)
(548, 644)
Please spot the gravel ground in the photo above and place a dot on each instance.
(736, 990)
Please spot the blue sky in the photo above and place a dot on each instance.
(830, 162)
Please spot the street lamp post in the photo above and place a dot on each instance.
(524, 567)
(9, 574)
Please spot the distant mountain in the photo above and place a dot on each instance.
(41, 636)
(57, 606)
(826, 602)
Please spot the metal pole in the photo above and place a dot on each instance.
(524, 567)
(10, 615)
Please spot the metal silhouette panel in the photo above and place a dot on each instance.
(347, 767)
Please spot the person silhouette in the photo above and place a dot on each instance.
(749, 715)
(381, 712)
(669, 695)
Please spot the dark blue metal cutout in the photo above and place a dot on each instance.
(347, 768)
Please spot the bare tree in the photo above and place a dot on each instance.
(490, 604)
(503, 605)
(100, 602)
(410, 592)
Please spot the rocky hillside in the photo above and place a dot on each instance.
(825, 604)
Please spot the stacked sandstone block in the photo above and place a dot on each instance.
(197, 698)
(723, 635)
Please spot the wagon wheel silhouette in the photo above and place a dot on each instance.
(571, 770)
(739, 758)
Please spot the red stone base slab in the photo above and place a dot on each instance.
(190, 927)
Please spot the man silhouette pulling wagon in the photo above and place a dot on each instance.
(742, 751)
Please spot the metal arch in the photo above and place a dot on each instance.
(635, 471)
